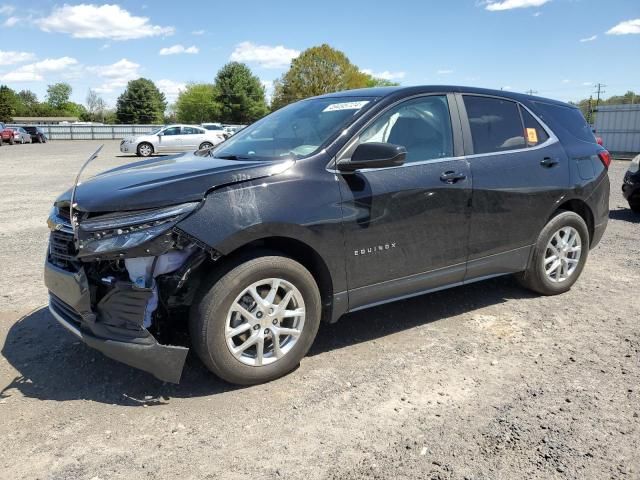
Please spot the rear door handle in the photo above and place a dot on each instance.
(452, 177)
(549, 162)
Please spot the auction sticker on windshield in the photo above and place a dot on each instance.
(334, 107)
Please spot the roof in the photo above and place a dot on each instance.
(414, 90)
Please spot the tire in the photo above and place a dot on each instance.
(205, 145)
(535, 276)
(211, 317)
(145, 149)
(635, 207)
(11, 141)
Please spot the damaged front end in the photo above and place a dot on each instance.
(118, 280)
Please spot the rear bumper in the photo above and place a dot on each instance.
(69, 303)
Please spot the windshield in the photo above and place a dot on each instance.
(295, 131)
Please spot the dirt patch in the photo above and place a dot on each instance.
(485, 381)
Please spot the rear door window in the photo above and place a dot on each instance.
(533, 132)
(495, 124)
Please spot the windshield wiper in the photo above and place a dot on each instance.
(232, 157)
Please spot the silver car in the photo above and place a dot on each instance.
(20, 135)
(171, 139)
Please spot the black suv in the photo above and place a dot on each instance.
(329, 205)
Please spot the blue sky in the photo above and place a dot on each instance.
(559, 48)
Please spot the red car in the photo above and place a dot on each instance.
(15, 135)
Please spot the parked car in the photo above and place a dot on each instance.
(2, 127)
(329, 205)
(217, 127)
(37, 135)
(172, 138)
(15, 135)
(631, 184)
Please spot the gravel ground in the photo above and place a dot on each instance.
(485, 381)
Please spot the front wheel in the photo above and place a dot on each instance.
(559, 255)
(144, 149)
(257, 321)
(204, 145)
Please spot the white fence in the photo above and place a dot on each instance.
(93, 132)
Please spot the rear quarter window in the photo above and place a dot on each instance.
(568, 119)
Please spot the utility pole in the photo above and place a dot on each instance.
(531, 92)
(598, 92)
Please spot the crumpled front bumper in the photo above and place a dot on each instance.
(70, 304)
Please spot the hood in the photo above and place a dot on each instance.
(165, 181)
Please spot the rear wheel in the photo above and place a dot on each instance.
(144, 149)
(255, 322)
(11, 141)
(559, 255)
(635, 206)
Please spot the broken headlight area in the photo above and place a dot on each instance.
(122, 234)
(141, 272)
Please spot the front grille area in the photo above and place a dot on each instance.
(62, 250)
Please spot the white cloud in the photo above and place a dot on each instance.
(444, 71)
(11, 21)
(627, 27)
(198, 32)
(588, 39)
(566, 80)
(385, 75)
(33, 72)
(537, 14)
(494, 6)
(177, 49)
(100, 21)
(11, 58)
(507, 87)
(115, 75)
(587, 84)
(264, 55)
(7, 9)
(170, 88)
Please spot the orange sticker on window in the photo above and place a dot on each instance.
(532, 135)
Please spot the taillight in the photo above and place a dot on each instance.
(599, 140)
(605, 158)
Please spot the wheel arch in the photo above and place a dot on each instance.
(580, 207)
(295, 249)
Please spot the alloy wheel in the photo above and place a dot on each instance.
(562, 255)
(265, 322)
(145, 150)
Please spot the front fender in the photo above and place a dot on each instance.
(290, 206)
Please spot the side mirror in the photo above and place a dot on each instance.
(160, 134)
(374, 155)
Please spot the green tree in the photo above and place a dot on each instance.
(198, 103)
(318, 70)
(58, 95)
(380, 82)
(28, 104)
(141, 102)
(240, 94)
(8, 104)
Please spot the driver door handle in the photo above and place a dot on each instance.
(549, 162)
(452, 177)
